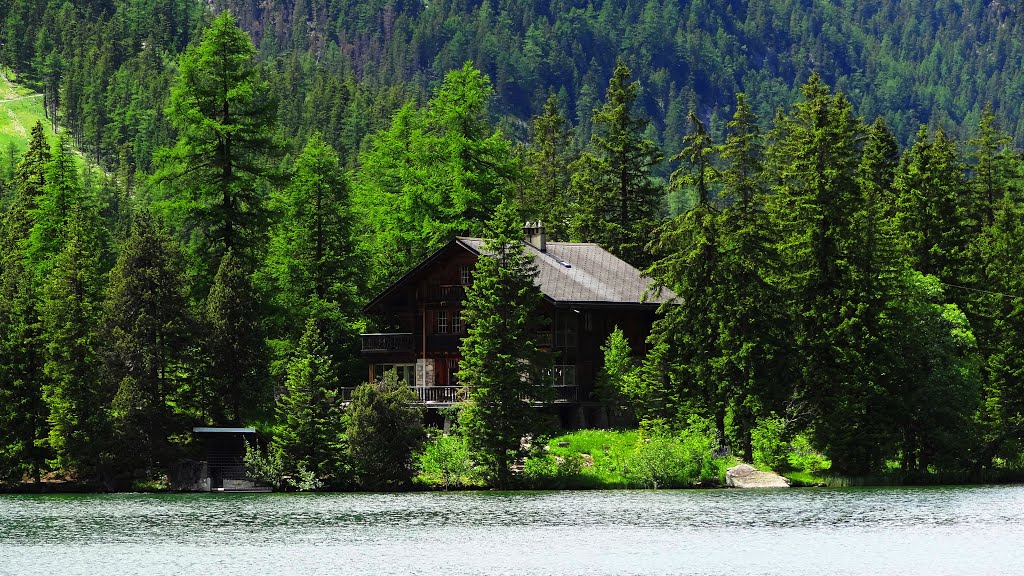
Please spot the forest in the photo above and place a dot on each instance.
(830, 190)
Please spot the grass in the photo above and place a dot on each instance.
(20, 109)
(610, 451)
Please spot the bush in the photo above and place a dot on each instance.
(770, 450)
(677, 460)
(803, 457)
(445, 462)
(266, 470)
(384, 430)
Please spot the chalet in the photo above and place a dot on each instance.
(587, 292)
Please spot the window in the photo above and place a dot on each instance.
(442, 326)
(564, 375)
(453, 372)
(458, 324)
(406, 372)
(465, 275)
(565, 330)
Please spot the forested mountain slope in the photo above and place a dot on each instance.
(344, 65)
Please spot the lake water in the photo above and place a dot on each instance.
(933, 531)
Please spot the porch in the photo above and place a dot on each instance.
(443, 396)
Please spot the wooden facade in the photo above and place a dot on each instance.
(421, 327)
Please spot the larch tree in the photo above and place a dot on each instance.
(226, 147)
(313, 264)
(501, 366)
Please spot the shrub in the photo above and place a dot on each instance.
(770, 450)
(802, 456)
(267, 470)
(384, 430)
(445, 461)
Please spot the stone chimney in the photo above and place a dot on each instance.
(535, 235)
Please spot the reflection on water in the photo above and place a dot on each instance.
(974, 530)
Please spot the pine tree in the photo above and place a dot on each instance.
(226, 147)
(500, 364)
(383, 429)
(235, 345)
(310, 437)
(618, 197)
(147, 330)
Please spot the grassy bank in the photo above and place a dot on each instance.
(20, 109)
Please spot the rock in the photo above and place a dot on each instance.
(746, 476)
(563, 444)
(588, 460)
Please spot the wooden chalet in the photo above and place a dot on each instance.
(587, 292)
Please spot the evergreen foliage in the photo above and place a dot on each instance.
(384, 430)
(500, 366)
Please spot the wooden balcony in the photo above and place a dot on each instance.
(451, 294)
(448, 395)
(383, 343)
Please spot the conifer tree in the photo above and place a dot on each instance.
(311, 434)
(312, 260)
(235, 345)
(147, 333)
(680, 372)
(550, 142)
(618, 197)
(500, 363)
(752, 348)
(814, 156)
(23, 416)
(75, 391)
(383, 429)
(222, 110)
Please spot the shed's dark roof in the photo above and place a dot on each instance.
(571, 272)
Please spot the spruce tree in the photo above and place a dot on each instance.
(500, 364)
(23, 415)
(619, 199)
(311, 434)
(238, 384)
(680, 372)
(147, 333)
(548, 198)
(75, 392)
(752, 345)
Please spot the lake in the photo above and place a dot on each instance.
(957, 530)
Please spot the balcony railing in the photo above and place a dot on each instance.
(447, 395)
(381, 342)
(450, 293)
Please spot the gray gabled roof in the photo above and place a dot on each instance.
(578, 273)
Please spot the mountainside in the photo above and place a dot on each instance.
(345, 66)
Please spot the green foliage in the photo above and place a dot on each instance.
(500, 366)
(619, 199)
(266, 469)
(310, 437)
(771, 450)
(238, 387)
(225, 119)
(384, 431)
(664, 460)
(616, 382)
(804, 457)
(445, 461)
